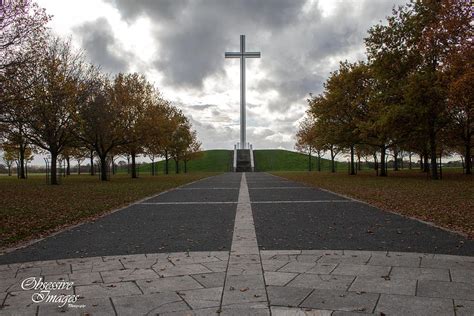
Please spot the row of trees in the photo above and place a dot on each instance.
(53, 101)
(413, 94)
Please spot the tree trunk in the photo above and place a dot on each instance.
(309, 159)
(176, 161)
(426, 165)
(383, 170)
(166, 162)
(352, 161)
(434, 165)
(319, 162)
(359, 166)
(54, 159)
(153, 166)
(422, 165)
(376, 164)
(22, 161)
(113, 165)
(395, 159)
(92, 163)
(78, 167)
(185, 166)
(467, 155)
(103, 167)
(333, 167)
(68, 166)
(128, 164)
(134, 169)
(9, 165)
(409, 159)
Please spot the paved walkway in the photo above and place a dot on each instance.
(199, 278)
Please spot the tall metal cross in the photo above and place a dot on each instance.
(242, 55)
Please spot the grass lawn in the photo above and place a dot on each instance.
(216, 160)
(448, 203)
(30, 208)
(285, 160)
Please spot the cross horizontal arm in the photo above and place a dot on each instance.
(252, 54)
(233, 55)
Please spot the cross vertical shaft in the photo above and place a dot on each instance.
(243, 125)
(243, 118)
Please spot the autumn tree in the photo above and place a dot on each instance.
(193, 150)
(158, 126)
(53, 102)
(460, 75)
(133, 94)
(307, 141)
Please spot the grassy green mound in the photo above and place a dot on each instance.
(220, 160)
(285, 160)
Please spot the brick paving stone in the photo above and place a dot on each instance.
(184, 269)
(454, 290)
(448, 263)
(359, 269)
(244, 281)
(197, 312)
(398, 260)
(202, 298)
(413, 305)
(245, 295)
(149, 304)
(245, 309)
(273, 265)
(383, 285)
(420, 273)
(146, 263)
(341, 300)
(244, 268)
(107, 290)
(464, 308)
(286, 296)
(298, 267)
(294, 311)
(352, 259)
(462, 275)
(128, 275)
(178, 283)
(278, 278)
(210, 280)
(321, 281)
(322, 268)
(217, 266)
(84, 278)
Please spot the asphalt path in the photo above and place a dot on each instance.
(290, 215)
(200, 217)
(195, 217)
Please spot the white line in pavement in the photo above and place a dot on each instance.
(208, 189)
(271, 188)
(316, 201)
(178, 203)
(244, 265)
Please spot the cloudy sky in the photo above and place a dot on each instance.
(179, 45)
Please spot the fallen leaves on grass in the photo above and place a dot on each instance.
(31, 209)
(447, 203)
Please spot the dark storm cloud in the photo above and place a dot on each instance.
(299, 46)
(194, 40)
(97, 39)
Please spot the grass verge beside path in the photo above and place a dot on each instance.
(447, 203)
(31, 209)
